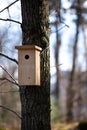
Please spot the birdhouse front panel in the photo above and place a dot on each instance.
(29, 65)
(26, 68)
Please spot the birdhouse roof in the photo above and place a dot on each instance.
(28, 47)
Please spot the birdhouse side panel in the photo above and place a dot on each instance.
(26, 68)
(37, 57)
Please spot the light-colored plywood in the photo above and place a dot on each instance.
(28, 47)
(28, 65)
(37, 55)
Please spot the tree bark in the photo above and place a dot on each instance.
(35, 101)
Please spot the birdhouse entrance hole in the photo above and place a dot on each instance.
(26, 57)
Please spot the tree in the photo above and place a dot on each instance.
(71, 79)
(35, 101)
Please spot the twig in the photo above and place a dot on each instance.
(59, 29)
(55, 22)
(8, 109)
(8, 6)
(44, 50)
(65, 24)
(10, 20)
(56, 65)
(14, 60)
(9, 75)
(4, 78)
(7, 48)
(1, 83)
(9, 92)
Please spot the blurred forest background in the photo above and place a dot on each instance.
(68, 59)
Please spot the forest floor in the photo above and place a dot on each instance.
(65, 126)
(55, 126)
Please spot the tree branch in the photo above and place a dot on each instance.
(9, 92)
(8, 6)
(4, 78)
(9, 74)
(8, 109)
(14, 60)
(76, 7)
(10, 20)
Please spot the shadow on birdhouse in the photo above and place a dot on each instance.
(28, 65)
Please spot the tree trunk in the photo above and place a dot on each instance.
(70, 92)
(82, 126)
(35, 101)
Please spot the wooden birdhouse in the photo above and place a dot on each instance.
(28, 65)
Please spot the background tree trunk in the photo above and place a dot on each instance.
(35, 101)
(70, 92)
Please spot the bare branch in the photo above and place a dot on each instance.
(44, 50)
(1, 83)
(10, 20)
(65, 24)
(14, 60)
(60, 29)
(9, 13)
(9, 92)
(8, 6)
(56, 65)
(78, 7)
(57, 23)
(4, 78)
(9, 74)
(8, 109)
